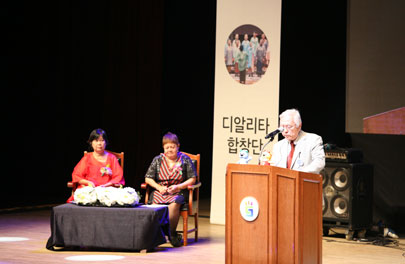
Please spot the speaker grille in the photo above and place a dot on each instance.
(347, 194)
(324, 204)
(340, 179)
(340, 206)
(325, 178)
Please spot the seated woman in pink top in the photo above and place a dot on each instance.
(97, 168)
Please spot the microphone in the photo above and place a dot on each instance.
(275, 132)
(271, 136)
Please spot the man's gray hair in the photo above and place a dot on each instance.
(296, 116)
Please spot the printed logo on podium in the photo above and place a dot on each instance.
(249, 208)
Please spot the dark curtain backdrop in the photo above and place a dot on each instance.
(188, 79)
(313, 61)
(75, 66)
(139, 69)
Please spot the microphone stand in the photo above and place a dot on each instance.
(261, 151)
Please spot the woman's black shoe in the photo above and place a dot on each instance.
(175, 240)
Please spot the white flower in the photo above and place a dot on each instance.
(128, 196)
(85, 195)
(107, 196)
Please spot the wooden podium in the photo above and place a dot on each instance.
(288, 228)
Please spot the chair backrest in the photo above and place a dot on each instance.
(196, 160)
(119, 155)
(192, 208)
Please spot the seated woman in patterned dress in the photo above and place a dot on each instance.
(169, 174)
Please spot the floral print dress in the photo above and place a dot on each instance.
(160, 171)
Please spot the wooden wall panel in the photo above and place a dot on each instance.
(390, 122)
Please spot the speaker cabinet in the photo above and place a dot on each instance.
(347, 195)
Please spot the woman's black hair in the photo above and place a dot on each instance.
(95, 134)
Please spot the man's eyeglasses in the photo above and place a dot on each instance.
(288, 127)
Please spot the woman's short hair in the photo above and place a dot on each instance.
(169, 137)
(95, 134)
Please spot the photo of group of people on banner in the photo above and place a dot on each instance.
(247, 54)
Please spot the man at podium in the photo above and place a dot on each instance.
(298, 150)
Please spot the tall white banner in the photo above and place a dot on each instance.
(247, 67)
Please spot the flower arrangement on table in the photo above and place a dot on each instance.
(106, 196)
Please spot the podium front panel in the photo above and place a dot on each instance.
(252, 235)
(311, 218)
(284, 218)
(288, 227)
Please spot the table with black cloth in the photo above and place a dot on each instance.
(127, 228)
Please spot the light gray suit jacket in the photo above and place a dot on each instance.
(309, 155)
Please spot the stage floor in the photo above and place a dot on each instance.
(34, 225)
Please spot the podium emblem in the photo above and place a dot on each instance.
(249, 208)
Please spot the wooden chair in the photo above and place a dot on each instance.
(120, 157)
(191, 206)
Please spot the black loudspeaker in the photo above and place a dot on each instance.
(347, 195)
